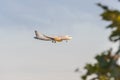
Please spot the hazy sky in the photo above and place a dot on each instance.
(24, 58)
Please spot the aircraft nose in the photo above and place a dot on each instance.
(70, 37)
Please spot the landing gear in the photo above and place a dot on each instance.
(53, 41)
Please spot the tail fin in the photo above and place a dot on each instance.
(36, 33)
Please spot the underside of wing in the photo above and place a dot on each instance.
(45, 39)
(52, 38)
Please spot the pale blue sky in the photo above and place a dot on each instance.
(24, 58)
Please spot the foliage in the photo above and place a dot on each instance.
(114, 17)
(106, 67)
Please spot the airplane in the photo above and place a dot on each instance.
(54, 39)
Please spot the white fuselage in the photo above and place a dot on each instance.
(53, 39)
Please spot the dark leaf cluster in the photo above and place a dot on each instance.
(114, 17)
(105, 68)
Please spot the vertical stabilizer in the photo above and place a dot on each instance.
(36, 33)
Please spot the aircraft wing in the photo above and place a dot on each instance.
(52, 38)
